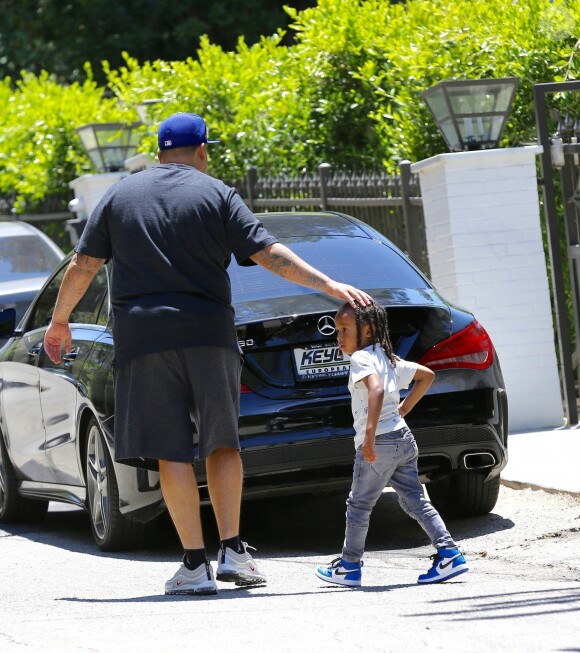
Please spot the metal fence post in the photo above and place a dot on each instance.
(553, 235)
(412, 231)
(324, 170)
(252, 179)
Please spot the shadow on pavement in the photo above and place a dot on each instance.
(508, 605)
(316, 524)
(277, 526)
(235, 593)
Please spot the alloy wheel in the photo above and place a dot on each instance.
(2, 477)
(97, 483)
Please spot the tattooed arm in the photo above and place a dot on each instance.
(280, 260)
(76, 280)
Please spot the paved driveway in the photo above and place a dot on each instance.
(58, 593)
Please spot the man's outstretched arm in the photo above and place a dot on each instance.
(280, 260)
(79, 274)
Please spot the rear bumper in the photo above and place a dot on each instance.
(445, 450)
(325, 463)
(291, 446)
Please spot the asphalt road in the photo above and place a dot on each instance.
(59, 593)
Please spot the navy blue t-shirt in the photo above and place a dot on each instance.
(169, 232)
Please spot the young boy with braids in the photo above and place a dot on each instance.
(386, 452)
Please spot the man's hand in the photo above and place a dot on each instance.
(280, 260)
(79, 274)
(349, 294)
(57, 334)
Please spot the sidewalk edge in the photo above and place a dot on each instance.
(522, 485)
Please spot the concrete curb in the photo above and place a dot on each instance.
(524, 485)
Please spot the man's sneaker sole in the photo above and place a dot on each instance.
(240, 578)
(344, 582)
(205, 591)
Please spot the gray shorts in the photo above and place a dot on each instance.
(170, 403)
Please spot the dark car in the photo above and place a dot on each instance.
(295, 427)
(27, 257)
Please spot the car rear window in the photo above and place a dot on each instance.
(361, 262)
(25, 256)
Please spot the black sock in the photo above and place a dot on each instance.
(233, 543)
(194, 557)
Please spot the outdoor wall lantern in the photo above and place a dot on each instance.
(471, 114)
(110, 144)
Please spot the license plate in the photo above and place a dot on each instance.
(320, 362)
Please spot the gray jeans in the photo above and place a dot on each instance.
(396, 465)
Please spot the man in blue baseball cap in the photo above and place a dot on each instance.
(170, 232)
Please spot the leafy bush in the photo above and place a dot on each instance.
(40, 152)
(348, 91)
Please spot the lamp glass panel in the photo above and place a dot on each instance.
(114, 157)
(495, 127)
(95, 157)
(473, 129)
(450, 134)
(134, 137)
(110, 136)
(504, 97)
(87, 136)
(437, 103)
(480, 98)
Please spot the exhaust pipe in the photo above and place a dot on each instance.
(479, 460)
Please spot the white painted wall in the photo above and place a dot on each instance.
(482, 219)
(89, 189)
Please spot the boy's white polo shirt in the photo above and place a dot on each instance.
(365, 362)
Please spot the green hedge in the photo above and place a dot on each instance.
(347, 92)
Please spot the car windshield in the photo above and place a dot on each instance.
(361, 262)
(25, 256)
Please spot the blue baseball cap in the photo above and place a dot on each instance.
(182, 130)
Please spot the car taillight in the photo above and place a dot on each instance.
(244, 390)
(471, 348)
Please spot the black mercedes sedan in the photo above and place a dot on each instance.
(296, 433)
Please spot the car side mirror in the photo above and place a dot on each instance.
(7, 322)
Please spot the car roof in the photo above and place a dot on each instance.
(322, 223)
(15, 228)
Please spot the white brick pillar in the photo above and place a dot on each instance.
(90, 188)
(482, 220)
(88, 192)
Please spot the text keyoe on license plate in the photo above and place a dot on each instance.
(320, 362)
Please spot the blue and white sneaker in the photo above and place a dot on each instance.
(447, 563)
(341, 572)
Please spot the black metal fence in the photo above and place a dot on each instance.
(50, 207)
(391, 204)
(560, 141)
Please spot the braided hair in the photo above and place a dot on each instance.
(375, 317)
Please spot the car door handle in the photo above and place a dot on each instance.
(70, 356)
(33, 352)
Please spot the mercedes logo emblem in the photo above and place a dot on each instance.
(326, 325)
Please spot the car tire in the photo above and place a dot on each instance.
(111, 530)
(13, 507)
(465, 494)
